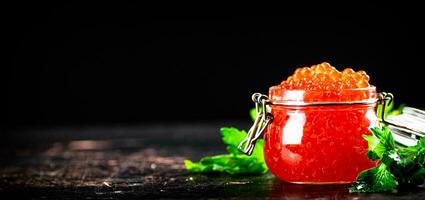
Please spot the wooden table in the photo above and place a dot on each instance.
(138, 162)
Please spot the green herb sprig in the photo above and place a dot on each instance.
(398, 167)
(235, 162)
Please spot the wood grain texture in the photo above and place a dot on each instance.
(138, 162)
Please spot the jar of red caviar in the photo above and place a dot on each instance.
(315, 142)
(314, 122)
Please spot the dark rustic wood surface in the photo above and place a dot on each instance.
(138, 162)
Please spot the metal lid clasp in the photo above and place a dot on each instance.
(406, 128)
(262, 119)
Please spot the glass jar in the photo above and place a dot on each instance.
(316, 137)
(316, 142)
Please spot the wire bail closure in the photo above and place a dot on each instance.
(404, 134)
(262, 119)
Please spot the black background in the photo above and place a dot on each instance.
(122, 67)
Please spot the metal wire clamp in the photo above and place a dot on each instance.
(263, 118)
(406, 128)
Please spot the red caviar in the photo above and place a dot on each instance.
(320, 144)
(323, 82)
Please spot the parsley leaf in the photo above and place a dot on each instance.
(235, 162)
(376, 179)
(398, 167)
(230, 164)
(253, 113)
(408, 164)
(382, 141)
(390, 110)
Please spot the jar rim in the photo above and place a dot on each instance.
(371, 87)
(279, 95)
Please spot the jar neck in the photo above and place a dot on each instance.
(281, 96)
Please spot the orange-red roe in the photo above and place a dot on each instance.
(320, 144)
(325, 77)
(324, 82)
